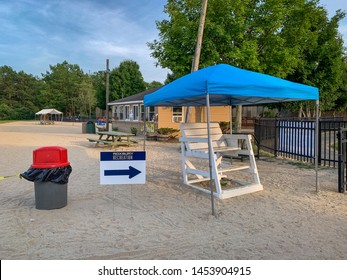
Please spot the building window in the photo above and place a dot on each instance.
(121, 112)
(142, 112)
(136, 112)
(115, 112)
(151, 116)
(127, 112)
(177, 114)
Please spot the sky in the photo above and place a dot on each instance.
(38, 33)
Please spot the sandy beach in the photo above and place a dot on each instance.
(162, 219)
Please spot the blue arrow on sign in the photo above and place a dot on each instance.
(132, 172)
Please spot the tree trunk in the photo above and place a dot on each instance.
(196, 58)
(238, 120)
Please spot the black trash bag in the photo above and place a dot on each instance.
(59, 175)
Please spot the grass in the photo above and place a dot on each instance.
(301, 164)
(6, 121)
(334, 146)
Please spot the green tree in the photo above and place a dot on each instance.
(63, 82)
(8, 82)
(287, 39)
(86, 94)
(153, 84)
(126, 80)
(5, 112)
(99, 84)
(321, 59)
(341, 102)
(19, 92)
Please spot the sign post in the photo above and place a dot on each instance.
(124, 167)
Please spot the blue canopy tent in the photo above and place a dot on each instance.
(226, 85)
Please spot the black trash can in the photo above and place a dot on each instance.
(50, 195)
(90, 127)
(50, 173)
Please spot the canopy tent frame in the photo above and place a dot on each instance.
(225, 85)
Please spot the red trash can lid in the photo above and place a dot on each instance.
(50, 157)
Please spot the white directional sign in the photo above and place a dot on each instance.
(122, 168)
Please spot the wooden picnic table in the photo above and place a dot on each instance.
(113, 138)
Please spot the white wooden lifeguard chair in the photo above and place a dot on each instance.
(225, 147)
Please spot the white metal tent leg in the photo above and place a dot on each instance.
(316, 145)
(210, 152)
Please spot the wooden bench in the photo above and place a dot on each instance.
(194, 145)
(97, 141)
(114, 142)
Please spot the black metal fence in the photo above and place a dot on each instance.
(79, 118)
(295, 138)
(342, 156)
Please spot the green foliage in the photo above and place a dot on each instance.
(18, 94)
(63, 82)
(224, 126)
(126, 80)
(133, 130)
(288, 39)
(177, 36)
(153, 84)
(65, 87)
(321, 60)
(5, 112)
(86, 96)
(268, 114)
(167, 131)
(21, 113)
(341, 102)
(99, 84)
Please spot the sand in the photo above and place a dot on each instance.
(162, 219)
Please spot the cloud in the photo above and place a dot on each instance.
(39, 33)
(107, 48)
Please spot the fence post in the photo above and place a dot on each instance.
(344, 157)
(339, 146)
(256, 140)
(277, 135)
(319, 142)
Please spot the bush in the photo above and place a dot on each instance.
(268, 114)
(22, 113)
(5, 112)
(167, 131)
(133, 130)
(224, 126)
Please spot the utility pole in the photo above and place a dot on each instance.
(196, 59)
(107, 92)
